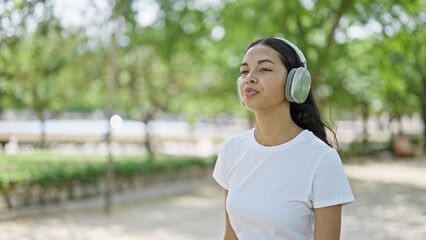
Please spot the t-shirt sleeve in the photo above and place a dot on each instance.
(330, 185)
(220, 172)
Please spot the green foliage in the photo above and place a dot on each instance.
(47, 170)
(175, 65)
(132, 168)
(418, 140)
(364, 148)
(366, 56)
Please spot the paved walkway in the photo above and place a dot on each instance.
(390, 204)
(390, 201)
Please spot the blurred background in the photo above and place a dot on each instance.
(99, 97)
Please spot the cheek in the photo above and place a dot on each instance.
(277, 90)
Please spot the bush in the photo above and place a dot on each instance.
(363, 148)
(29, 171)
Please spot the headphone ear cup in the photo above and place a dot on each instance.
(288, 84)
(298, 85)
(238, 92)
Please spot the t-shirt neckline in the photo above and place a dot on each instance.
(279, 147)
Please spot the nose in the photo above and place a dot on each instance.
(251, 78)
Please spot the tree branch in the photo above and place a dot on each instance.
(344, 5)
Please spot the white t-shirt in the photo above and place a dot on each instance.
(272, 191)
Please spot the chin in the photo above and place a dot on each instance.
(253, 107)
(262, 108)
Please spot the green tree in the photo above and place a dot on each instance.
(379, 72)
(13, 25)
(36, 61)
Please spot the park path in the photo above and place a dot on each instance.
(390, 204)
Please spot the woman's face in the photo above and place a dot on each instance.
(262, 79)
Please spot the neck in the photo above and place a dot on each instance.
(276, 127)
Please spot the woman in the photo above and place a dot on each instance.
(282, 176)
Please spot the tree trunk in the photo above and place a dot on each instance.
(423, 104)
(365, 121)
(148, 146)
(111, 108)
(42, 117)
(5, 194)
(148, 137)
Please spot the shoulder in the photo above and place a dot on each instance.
(238, 140)
(327, 158)
(314, 143)
(316, 148)
(232, 148)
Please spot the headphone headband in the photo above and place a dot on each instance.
(296, 49)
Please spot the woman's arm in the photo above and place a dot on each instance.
(327, 223)
(229, 232)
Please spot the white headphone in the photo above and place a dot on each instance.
(298, 83)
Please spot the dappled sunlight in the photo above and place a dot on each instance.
(186, 216)
(390, 198)
(191, 202)
(386, 208)
(60, 229)
(413, 174)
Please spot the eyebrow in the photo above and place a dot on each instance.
(259, 62)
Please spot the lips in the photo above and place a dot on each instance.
(248, 92)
